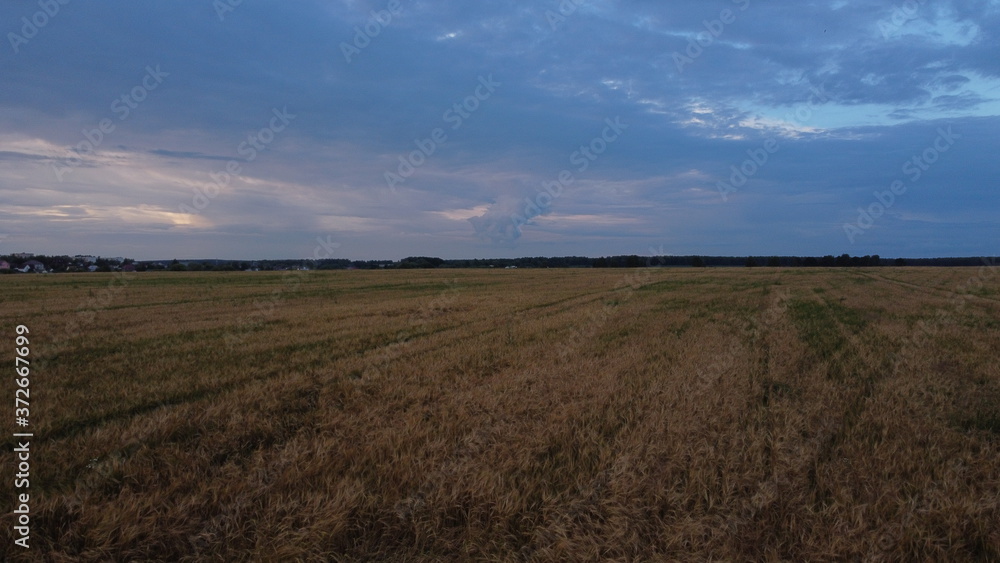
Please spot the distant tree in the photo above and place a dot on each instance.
(56, 263)
(843, 261)
(773, 262)
(810, 262)
(900, 262)
(828, 261)
(751, 262)
(697, 262)
(420, 262)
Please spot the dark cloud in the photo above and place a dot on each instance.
(20, 156)
(188, 155)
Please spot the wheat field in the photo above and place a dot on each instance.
(511, 415)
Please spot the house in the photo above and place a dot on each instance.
(4, 265)
(128, 268)
(33, 266)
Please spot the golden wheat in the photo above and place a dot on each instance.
(666, 414)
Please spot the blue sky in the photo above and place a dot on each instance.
(201, 129)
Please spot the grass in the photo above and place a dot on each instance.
(535, 415)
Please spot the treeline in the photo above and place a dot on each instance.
(636, 261)
(53, 264)
(828, 261)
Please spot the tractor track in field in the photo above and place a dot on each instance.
(71, 428)
(940, 292)
(476, 328)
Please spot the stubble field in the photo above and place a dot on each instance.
(510, 415)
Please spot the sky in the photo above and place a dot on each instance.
(389, 128)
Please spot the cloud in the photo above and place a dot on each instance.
(501, 223)
(14, 155)
(188, 155)
(884, 94)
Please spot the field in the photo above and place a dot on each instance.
(509, 415)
